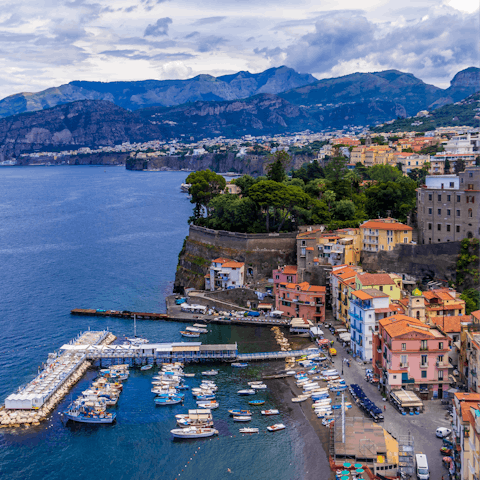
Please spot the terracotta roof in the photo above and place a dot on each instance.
(289, 270)
(221, 260)
(375, 293)
(397, 325)
(375, 279)
(462, 396)
(309, 249)
(233, 264)
(453, 306)
(345, 273)
(362, 295)
(379, 225)
(450, 324)
(465, 408)
(384, 310)
(476, 314)
(396, 371)
(304, 287)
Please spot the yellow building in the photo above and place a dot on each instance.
(387, 283)
(342, 282)
(472, 436)
(409, 161)
(384, 234)
(371, 155)
(340, 248)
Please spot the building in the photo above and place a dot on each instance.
(301, 300)
(448, 207)
(411, 355)
(384, 234)
(341, 248)
(410, 161)
(342, 283)
(442, 302)
(463, 144)
(225, 274)
(285, 274)
(472, 459)
(388, 283)
(473, 361)
(367, 307)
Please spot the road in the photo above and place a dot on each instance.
(422, 427)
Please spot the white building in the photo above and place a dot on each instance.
(225, 274)
(463, 144)
(367, 307)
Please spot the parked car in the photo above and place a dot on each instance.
(442, 432)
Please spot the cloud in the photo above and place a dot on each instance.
(208, 20)
(175, 69)
(151, 4)
(212, 42)
(191, 35)
(159, 28)
(435, 44)
(270, 53)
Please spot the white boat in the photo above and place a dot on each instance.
(248, 391)
(239, 365)
(188, 374)
(196, 330)
(241, 418)
(270, 412)
(146, 367)
(276, 427)
(207, 404)
(200, 325)
(210, 372)
(300, 398)
(189, 334)
(259, 386)
(193, 432)
(249, 430)
(290, 372)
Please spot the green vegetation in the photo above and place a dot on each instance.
(334, 196)
(467, 265)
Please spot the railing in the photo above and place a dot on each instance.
(404, 365)
(423, 349)
(424, 365)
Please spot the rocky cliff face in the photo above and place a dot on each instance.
(141, 94)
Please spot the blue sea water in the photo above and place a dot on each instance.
(95, 237)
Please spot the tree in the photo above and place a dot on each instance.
(244, 182)
(447, 165)
(344, 210)
(384, 173)
(329, 198)
(472, 300)
(277, 166)
(204, 186)
(459, 165)
(336, 169)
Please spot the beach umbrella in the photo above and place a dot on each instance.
(345, 477)
(360, 470)
(347, 465)
(358, 465)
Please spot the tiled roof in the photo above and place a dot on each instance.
(379, 225)
(375, 293)
(221, 260)
(362, 295)
(450, 324)
(233, 264)
(397, 325)
(476, 314)
(462, 396)
(289, 270)
(375, 279)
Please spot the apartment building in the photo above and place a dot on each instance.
(411, 355)
(409, 161)
(384, 234)
(285, 274)
(473, 361)
(442, 302)
(388, 283)
(225, 274)
(448, 207)
(342, 282)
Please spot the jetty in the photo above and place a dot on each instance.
(33, 402)
(91, 312)
(251, 357)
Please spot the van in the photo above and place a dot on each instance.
(422, 466)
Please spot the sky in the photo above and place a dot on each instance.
(47, 43)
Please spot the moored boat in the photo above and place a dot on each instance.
(248, 391)
(276, 427)
(256, 402)
(241, 418)
(146, 367)
(189, 334)
(239, 365)
(259, 386)
(210, 372)
(81, 414)
(300, 398)
(240, 412)
(270, 412)
(167, 400)
(193, 432)
(249, 430)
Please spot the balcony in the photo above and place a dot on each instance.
(423, 349)
(404, 365)
(441, 364)
(424, 365)
(379, 350)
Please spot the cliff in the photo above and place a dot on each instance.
(260, 252)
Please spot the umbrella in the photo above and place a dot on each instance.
(360, 470)
(347, 465)
(345, 477)
(358, 465)
(345, 472)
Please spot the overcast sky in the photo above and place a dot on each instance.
(51, 42)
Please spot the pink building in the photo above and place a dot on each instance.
(409, 354)
(285, 274)
(301, 300)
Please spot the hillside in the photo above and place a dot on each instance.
(141, 94)
(466, 112)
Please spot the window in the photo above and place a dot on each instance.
(440, 374)
(458, 213)
(448, 212)
(302, 252)
(394, 377)
(439, 211)
(404, 346)
(424, 374)
(429, 226)
(448, 228)
(391, 288)
(449, 197)
(424, 360)
(470, 174)
(381, 288)
(440, 347)
(458, 228)
(277, 277)
(458, 198)
(430, 196)
(405, 240)
(470, 213)
(439, 197)
(423, 345)
(430, 211)
(439, 227)
(403, 359)
(440, 358)
(451, 186)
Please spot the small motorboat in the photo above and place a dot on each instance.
(276, 427)
(167, 400)
(210, 372)
(239, 365)
(205, 397)
(270, 412)
(188, 374)
(240, 412)
(290, 372)
(256, 402)
(241, 418)
(208, 405)
(182, 387)
(249, 430)
(300, 398)
(259, 386)
(146, 367)
(196, 330)
(200, 325)
(193, 432)
(189, 334)
(248, 391)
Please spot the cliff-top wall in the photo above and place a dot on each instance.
(260, 252)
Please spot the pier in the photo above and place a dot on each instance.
(251, 357)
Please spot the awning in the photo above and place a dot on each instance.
(346, 337)
(277, 312)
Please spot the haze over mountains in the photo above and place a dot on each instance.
(103, 114)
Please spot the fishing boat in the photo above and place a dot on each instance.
(83, 414)
(189, 334)
(210, 372)
(249, 430)
(240, 412)
(248, 391)
(259, 386)
(300, 398)
(256, 402)
(193, 432)
(189, 375)
(146, 367)
(239, 365)
(276, 427)
(206, 397)
(241, 418)
(211, 405)
(168, 400)
(196, 330)
(270, 412)
(200, 325)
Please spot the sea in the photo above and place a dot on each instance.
(104, 237)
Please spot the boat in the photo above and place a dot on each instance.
(241, 418)
(137, 341)
(188, 374)
(290, 372)
(239, 365)
(83, 414)
(146, 367)
(249, 430)
(206, 397)
(211, 405)
(200, 325)
(196, 330)
(256, 402)
(276, 427)
(300, 398)
(182, 387)
(193, 432)
(240, 412)
(259, 386)
(248, 391)
(168, 400)
(189, 334)
(270, 412)
(210, 372)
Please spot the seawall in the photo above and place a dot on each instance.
(261, 252)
